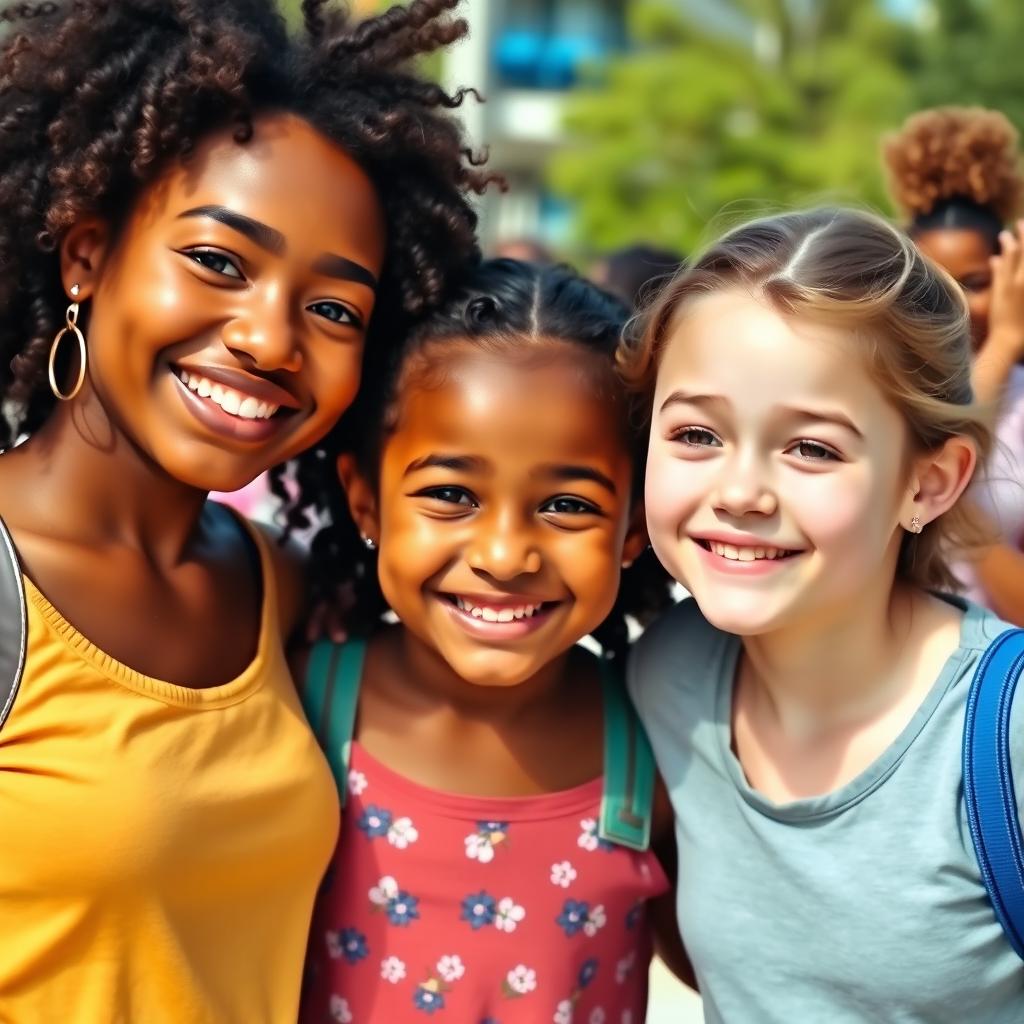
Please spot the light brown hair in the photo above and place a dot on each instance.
(856, 271)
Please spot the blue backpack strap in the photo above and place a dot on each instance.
(988, 782)
(13, 624)
(628, 798)
(330, 698)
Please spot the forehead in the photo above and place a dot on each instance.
(958, 251)
(737, 345)
(288, 176)
(514, 412)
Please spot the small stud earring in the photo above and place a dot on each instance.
(915, 524)
(369, 542)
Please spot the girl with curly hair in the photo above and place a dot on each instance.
(503, 855)
(205, 221)
(955, 172)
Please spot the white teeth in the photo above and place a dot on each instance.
(505, 614)
(233, 402)
(744, 554)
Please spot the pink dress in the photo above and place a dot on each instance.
(478, 910)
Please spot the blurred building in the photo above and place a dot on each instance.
(524, 56)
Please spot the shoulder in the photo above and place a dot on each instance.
(677, 653)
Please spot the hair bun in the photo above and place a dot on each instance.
(955, 153)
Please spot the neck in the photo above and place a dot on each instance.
(439, 685)
(80, 478)
(835, 668)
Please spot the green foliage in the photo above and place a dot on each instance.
(693, 125)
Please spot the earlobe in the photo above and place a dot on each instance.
(82, 253)
(942, 477)
(362, 501)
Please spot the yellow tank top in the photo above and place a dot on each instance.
(160, 846)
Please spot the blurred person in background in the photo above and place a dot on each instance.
(955, 173)
(529, 250)
(636, 273)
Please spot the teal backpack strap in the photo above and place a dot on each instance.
(628, 798)
(330, 698)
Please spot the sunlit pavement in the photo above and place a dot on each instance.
(671, 1002)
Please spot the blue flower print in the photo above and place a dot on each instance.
(403, 908)
(492, 826)
(573, 916)
(375, 821)
(478, 909)
(633, 917)
(428, 998)
(353, 945)
(587, 972)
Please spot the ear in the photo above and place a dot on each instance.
(636, 536)
(83, 251)
(940, 478)
(362, 502)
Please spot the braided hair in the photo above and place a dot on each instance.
(506, 306)
(97, 95)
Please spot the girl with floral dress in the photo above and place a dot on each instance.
(503, 856)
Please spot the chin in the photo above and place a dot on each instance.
(742, 615)
(491, 670)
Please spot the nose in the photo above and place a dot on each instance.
(263, 334)
(744, 487)
(503, 547)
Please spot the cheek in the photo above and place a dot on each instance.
(672, 490)
(334, 374)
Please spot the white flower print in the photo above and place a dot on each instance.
(334, 950)
(596, 920)
(451, 968)
(402, 833)
(521, 979)
(597, 1015)
(479, 848)
(624, 967)
(588, 835)
(384, 891)
(357, 783)
(392, 970)
(563, 874)
(563, 1012)
(340, 1011)
(508, 915)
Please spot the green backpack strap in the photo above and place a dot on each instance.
(330, 697)
(628, 798)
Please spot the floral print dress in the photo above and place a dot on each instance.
(473, 910)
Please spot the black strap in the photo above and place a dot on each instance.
(13, 624)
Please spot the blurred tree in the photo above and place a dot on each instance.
(972, 55)
(780, 101)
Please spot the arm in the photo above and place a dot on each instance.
(1000, 571)
(668, 943)
(1004, 346)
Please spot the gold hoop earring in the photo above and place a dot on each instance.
(70, 327)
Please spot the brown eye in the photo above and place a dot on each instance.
(218, 262)
(696, 437)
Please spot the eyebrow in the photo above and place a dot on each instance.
(256, 231)
(569, 473)
(456, 463)
(273, 241)
(681, 397)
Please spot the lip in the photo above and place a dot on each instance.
(733, 567)
(219, 422)
(260, 388)
(480, 629)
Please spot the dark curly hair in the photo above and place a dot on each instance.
(96, 96)
(506, 306)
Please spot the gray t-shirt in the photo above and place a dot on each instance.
(865, 905)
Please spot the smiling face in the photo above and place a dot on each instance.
(504, 504)
(966, 256)
(777, 470)
(226, 322)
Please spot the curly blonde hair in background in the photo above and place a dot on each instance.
(856, 271)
